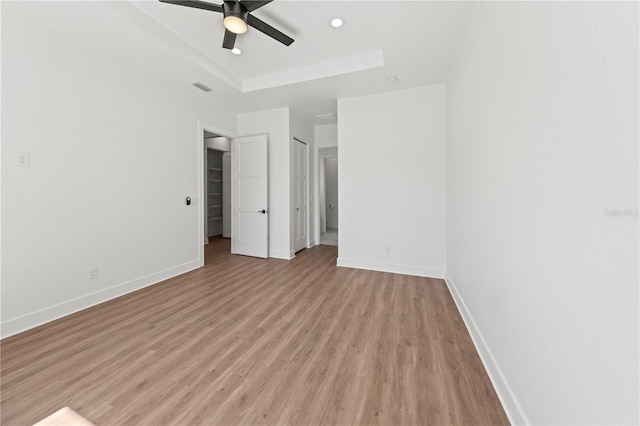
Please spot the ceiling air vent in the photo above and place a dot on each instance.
(326, 117)
(202, 87)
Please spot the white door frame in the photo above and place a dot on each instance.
(221, 131)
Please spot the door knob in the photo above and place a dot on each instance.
(262, 211)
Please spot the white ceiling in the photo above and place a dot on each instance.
(413, 40)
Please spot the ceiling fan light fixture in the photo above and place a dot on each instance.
(336, 23)
(235, 24)
(237, 18)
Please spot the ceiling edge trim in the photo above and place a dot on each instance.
(313, 72)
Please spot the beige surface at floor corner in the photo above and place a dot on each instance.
(64, 417)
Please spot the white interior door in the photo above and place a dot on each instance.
(300, 195)
(226, 195)
(249, 196)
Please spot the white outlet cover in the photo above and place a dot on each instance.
(93, 273)
(22, 159)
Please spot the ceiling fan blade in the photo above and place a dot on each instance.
(196, 4)
(229, 39)
(252, 5)
(262, 26)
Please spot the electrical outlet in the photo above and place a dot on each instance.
(387, 250)
(22, 159)
(93, 273)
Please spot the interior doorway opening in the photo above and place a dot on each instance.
(217, 187)
(328, 195)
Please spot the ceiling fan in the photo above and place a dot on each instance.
(237, 15)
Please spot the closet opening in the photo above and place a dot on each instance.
(217, 185)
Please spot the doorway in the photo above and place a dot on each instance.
(328, 195)
(213, 146)
(217, 138)
(215, 220)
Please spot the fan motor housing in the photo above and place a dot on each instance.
(234, 8)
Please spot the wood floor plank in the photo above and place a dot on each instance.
(247, 341)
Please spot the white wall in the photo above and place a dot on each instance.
(275, 124)
(331, 191)
(392, 181)
(114, 153)
(542, 139)
(326, 135)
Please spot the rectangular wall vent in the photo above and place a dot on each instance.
(202, 87)
(326, 117)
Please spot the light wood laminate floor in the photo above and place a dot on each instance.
(247, 341)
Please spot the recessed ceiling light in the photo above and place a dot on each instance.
(336, 23)
(236, 51)
(393, 80)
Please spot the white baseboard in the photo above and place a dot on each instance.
(34, 319)
(509, 402)
(312, 243)
(419, 271)
(282, 254)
